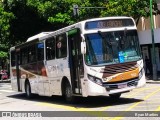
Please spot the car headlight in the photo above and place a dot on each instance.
(94, 79)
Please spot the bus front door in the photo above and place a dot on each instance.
(17, 70)
(75, 60)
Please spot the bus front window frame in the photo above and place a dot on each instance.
(112, 47)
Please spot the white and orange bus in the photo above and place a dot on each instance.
(94, 57)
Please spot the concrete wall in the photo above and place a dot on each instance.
(145, 36)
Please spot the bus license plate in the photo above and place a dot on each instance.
(122, 85)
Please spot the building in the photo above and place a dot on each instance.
(145, 38)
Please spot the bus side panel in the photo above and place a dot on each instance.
(142, 80)
(62, 70)
(84, 84)
(29, 72)
(53, 85)
(13, 78)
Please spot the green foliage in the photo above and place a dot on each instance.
(3, 54)
(27, 21)
(55, 11)
(61, 12)
(20, 19)
(5, 21)
(134, 8)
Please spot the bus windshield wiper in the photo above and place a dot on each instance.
(104, 39)
(106, 42)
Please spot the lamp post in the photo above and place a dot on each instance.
(153, 45)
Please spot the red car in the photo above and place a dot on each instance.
(4, 76)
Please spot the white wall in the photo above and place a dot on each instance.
(145, 36)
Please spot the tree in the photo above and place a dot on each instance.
(20, 19)
(27, 22)
(133, 8)
(57, 12)
(5, 20)
(60, 12)
(34, 16)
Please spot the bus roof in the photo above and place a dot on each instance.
(101, 18)
(79, 24)
(42, 34)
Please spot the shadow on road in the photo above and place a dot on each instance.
(89, 102)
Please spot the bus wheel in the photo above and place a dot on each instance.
(115, 96)
(69, 93)
(28, 90)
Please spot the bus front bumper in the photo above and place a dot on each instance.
(97, 90)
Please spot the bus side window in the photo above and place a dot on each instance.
(32, 53)
(40, 50)
(61, 46)
(24, 56)
(50, 48)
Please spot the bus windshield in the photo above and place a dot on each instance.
(112, 47)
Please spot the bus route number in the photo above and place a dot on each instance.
(51, 68)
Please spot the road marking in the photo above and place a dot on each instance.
(63, 107)
(6, 91)
(138, 91)
(128, 109)
(145, 106)
(89, 111)
(158, 109)
(145, 98)
(9, 87)
(81, 110)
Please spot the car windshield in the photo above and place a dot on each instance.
(112, 47)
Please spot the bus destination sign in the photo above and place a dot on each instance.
(109, 23)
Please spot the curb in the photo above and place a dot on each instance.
(153, 81)
(5, 81)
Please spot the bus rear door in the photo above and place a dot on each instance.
(17, 60)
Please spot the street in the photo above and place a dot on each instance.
(142, 99)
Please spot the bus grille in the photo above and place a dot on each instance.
(118, 68)
(113, 86)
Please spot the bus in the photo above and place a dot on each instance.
(94, 57)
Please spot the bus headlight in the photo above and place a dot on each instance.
(141, 73)
(94, 79)
(98, 81)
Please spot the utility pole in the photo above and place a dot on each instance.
(75, 10)
(154, 67)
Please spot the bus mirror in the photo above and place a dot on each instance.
(83, 47)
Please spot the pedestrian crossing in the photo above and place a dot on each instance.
(9, 91)
(5, 88)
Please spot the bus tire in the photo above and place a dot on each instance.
(68, 93)
(28, 90)
(115, 96)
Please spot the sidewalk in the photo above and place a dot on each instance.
(149, 79)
